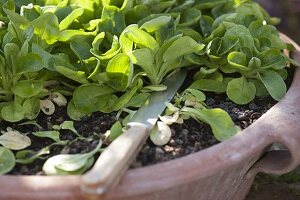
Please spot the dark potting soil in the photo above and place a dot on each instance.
(193, 136)
(190, 137)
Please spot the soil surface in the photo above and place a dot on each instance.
(193, 136)
(190, 137)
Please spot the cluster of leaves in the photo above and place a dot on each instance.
(110, 55)
(244, 53)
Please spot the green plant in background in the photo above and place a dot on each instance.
(110, 55)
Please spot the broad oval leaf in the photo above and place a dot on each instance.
(47, 27)
(27, 88)
(219, 120)
(73, 113)
(119, 70)
(141, 37)
(182, 46)
(29, 63)
(87, 98)
(206, 25)
(156, 23)
(14, 140)
(189, 17)
(243, 34)
(274, 84)
(240, 91)
(12, 112)
(31, 108)
(7, 160)
(272, 58)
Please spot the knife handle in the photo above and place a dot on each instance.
(114, 161)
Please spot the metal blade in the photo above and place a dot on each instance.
(156, 103)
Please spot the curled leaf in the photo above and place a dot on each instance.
(166, 119)
(160, 134)
(58, 98)
(47, 107)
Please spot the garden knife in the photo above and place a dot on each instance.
(116, 158)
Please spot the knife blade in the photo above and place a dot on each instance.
(116, 158)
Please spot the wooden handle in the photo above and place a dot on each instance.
(114, 161)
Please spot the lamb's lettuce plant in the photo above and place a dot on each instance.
(110, 55)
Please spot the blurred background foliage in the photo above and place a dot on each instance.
(289, 13)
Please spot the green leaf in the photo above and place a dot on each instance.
(228, 43)
(141, 38)
(240, 91)
(189, 17)
(97, 41)
(238, 60)
(81, 49)
(50, 168)
(13, 112)
(274, 84)
(138, 100)
(119, 70)
(54, 135)
(68, 125)
(219, 120)
(206, 25)
(145, 59)
(113, 20)
(27, 88)
(115, 131)
(29, 63)
(240, 31)
(272, 58)
(69, 35)
(114, 50)
(31, 108)
(200, 96)
(90, 98)
(73, 113)
(156, 23)
(261, 90)
(66, 22)
(254, 63)
(14, 140)
(7, 160)
(182, 46)
(28, 156)
(124, 99)
(68, 164)
(47, 27)
(78, 76)
(209, 85)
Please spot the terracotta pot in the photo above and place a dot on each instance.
(222, 172)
